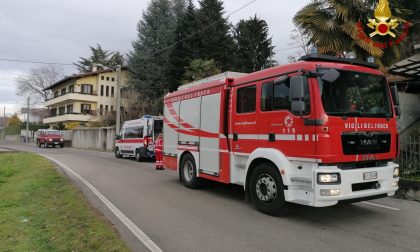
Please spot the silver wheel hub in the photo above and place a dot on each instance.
(188, 170)
(266, 188)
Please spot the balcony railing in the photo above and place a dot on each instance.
(88, 112)
(93, 93)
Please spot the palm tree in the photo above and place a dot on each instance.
(331, 26)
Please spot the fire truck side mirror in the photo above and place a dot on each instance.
(297, 93)
(394, 94)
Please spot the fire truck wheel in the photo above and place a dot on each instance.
(267, 190)
(117, 153)
(139, 157)
(189, 173)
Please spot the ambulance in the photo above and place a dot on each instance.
(137, 137)
(316, 132)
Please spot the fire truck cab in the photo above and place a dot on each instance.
(137, 137)
(316, 132)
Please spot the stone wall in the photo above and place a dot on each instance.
(94, 138)
(408, 189)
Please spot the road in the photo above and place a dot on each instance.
(216, 218)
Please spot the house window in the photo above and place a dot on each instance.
(102, 77)
(112, 108)
(56, 94)
(102, 90)
(106, 109)
(85, 109)
(107, 91)
(61, 110)
(112, 91)
(112, 79)
(63, 91)
(54, 112)
(71, 89)
(69, 109)
(246, 99)
(101, 109)
(87, 89)
(107, 78)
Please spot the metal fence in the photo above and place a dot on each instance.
(409, 158)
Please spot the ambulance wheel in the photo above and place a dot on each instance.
(117, 153)
(267, 190)
(139, 157)
(189, 172)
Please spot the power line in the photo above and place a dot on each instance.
(161, 50)
(35, 62)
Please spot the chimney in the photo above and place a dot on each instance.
(94, 68)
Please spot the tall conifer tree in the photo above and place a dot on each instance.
(149, 60)
(215, 39)
(253, 45)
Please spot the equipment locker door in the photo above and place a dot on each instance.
(209, 144)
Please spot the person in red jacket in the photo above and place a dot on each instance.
(158, 152)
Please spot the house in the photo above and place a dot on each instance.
(83, 99)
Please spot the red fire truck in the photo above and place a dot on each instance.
(316, 132)
(137, 137)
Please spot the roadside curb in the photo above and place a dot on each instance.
(408, 189)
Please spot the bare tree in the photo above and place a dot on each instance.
(299, 41)
(34, 83)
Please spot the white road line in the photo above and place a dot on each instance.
(379, 205)
(124, 219)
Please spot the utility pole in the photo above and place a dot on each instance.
(27, 123)
(4, 123)
(118, 109)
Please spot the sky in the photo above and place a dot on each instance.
(62, 31)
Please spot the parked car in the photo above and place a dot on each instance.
(49, 137)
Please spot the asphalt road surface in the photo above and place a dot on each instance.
(216, 218)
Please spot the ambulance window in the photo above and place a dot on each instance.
(246, 99)
(275, 96)
(134, 132)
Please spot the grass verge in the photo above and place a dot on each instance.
(40, 210)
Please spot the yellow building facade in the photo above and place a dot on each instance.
(83, 99)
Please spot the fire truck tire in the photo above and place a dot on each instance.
(189, 172)
(267, 190)
(61, 145)
(117, 153)
(139, 157)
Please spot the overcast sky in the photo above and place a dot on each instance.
(61, 31)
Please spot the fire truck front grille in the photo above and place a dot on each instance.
(354, 143)
(365, 186)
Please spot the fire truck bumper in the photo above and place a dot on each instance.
(331, 184)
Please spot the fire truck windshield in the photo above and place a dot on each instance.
(356, 94)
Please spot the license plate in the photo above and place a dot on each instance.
(56, 143)
(370, 175)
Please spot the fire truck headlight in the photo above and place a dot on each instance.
(396, 172)
(329, 178)
(50, 139)
(61, 139)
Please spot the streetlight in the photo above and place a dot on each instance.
(118, 98)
